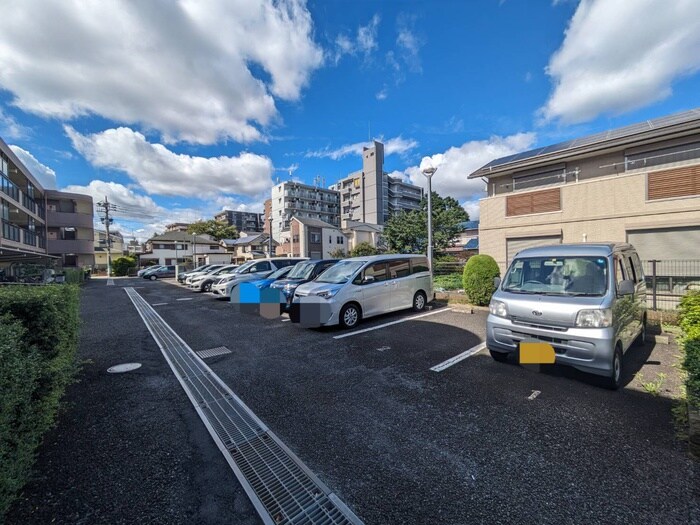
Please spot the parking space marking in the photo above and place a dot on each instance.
(456, 359)
(159, 304)
(286, 320)
(185, 299)
(357, 332)
(110, 282)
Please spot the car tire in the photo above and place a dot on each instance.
(153, 277)
(206, 287)
(614, 381)
(501, 357)
(349, 315)
(419, 302)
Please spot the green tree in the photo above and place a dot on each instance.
(338, 253)
(477, 278)
(363, 249)
(122, 265)
(218, 230)
(407, 231)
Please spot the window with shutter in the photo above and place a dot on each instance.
(534, 202)
(678, 182)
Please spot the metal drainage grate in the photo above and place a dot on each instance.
(282, 489)
(213, 352)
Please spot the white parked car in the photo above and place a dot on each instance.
(250, 271)
(203, 283)
(361, 287)
(209, 269)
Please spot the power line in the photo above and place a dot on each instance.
(106, 208)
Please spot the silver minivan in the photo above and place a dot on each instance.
(588, 301)
(361, 287)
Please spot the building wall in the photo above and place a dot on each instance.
(70, 232)
(593, 209)
(266, 216)
(332, 239)
(293, 199)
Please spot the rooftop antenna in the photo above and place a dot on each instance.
(289, 169)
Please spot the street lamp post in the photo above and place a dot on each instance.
(194, 250)
(270, 237)
(429, 172)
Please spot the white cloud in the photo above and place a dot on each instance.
(363, 44)
(619, 55)
(395, 145)
(472, 208)
(159, 170)
(10, 128)
(381, 94)
(184, 68)
(409, 43)
(42, 173)
(455, 164)
(139, 206)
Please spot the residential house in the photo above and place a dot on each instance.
(182, 247)
(116, 248)
(358, 232)
(311, 238)
(249, 245)
(466, 243)
(639, 184)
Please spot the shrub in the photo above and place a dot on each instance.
(74, 276)
(477, 278)
(38, 340)
(338, 253)
(452, 281)
(363, 249)
(122, 265)
(689, 310)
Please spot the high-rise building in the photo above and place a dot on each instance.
(370, 195)
(294, 199)
(244, 221)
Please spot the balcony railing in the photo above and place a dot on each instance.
(10, 231)
(9, 188)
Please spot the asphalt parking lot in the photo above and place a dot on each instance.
(401, 443)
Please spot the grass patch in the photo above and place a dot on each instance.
(452, 281)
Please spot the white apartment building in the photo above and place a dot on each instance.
(294, 199)
(181, 247)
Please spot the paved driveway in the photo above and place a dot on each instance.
(402, 444)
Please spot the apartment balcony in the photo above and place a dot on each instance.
(21, 199)
(63, 219)
(14, 233)
(71, 246)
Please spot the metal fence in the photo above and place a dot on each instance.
(668, 281)
(447, 268)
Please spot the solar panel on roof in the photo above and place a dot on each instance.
(626, 131)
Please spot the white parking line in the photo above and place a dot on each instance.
(159, 304)
(456, 359)
(185, 299)
(356, 332)
(110, 282)
(285, 320)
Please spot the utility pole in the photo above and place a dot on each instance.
(106, 207)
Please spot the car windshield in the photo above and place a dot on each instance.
(302, 271)
(224, 270)
(279, 273)
(566, 276)
(340, 272)
(242, 268)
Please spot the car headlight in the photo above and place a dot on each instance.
(599, 318)
(498, 308)
(327, 294)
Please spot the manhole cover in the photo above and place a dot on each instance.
(126, 367)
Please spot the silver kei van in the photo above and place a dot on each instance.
(361, 287)
(588, 301)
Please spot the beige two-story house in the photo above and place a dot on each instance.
(639, 184)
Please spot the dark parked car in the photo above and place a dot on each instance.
(302, 273)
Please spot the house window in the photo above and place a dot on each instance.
(315, 238)
(534, 202)
(330, 239)
(340, 239)
(295, 238)
(679, 182)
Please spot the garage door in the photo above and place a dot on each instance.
(514, 245)
(667, 243)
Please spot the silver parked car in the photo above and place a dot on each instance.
(588, 301)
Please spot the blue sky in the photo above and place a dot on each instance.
(179, 109)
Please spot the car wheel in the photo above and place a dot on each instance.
(615, 379)
(501, 357)
(642, 337)
(153, 277)
(349, 315)
(419, 302)
(207, 287)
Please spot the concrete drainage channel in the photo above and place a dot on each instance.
(282, 489)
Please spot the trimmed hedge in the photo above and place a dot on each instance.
(38, 341)
(689, 317)
(477, 278)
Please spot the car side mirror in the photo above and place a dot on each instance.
(496, 282)
(626, 288)
(368, 279)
